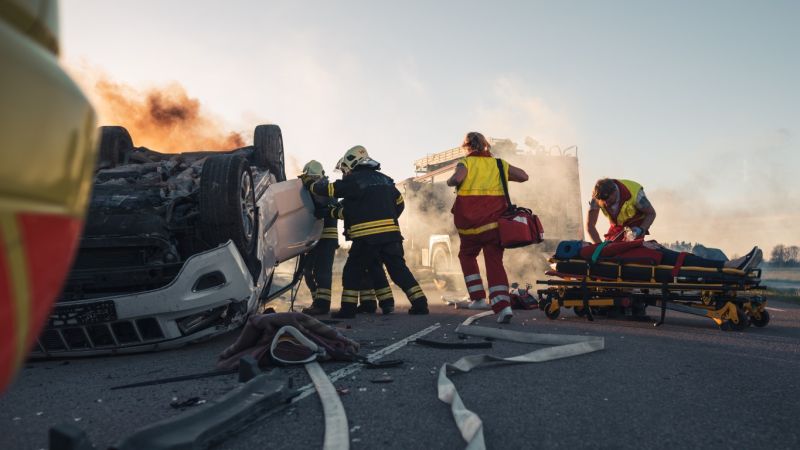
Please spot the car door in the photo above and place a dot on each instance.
(289, 227)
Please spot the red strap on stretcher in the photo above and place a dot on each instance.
(678, 264)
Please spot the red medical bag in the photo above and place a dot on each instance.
(518, 226)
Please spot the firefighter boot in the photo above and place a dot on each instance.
(419, 306)
(387, 306)
(348, 311)
(318, 307)
(367, 307)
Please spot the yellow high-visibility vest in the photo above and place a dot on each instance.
(483, 178)
(627, 210)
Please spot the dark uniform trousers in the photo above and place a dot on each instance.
(366, 257)
(318, 269)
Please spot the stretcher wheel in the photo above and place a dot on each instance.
(744, 322)
(744, 319)
(761, 321)
(552, 315)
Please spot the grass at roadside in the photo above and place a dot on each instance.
(782, 296)
(784, 274)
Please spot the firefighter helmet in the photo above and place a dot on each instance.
(313, 169)
(354, 157)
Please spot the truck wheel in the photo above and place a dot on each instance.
(227, 203)
(440, 264)
(268, 150)
(115, 141)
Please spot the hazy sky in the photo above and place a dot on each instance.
(699, 101)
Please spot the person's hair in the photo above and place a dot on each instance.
(603, 189)
(475, 142)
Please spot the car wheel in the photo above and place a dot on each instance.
(227, 203)
(268, 150)
(115, 141)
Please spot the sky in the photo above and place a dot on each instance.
(696, 100)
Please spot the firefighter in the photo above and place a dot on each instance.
(625, 206)
(480, 201)
(370, 208)
(318, 268)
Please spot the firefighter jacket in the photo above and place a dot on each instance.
(323, 206)
(371, 205)
(480, 199)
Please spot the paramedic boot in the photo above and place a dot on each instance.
(479, 304)
(367, 307)
(419, 306)
(505, 315)
(502, 308)
(348, 311)
(318, 307)
(387, 306)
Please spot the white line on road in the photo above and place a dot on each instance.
(308, 389)
(774, 309)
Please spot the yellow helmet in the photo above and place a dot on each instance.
(353, 157)
(313, 169)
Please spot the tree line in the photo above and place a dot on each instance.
(785, 256)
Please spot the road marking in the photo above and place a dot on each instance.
(774, 309)
(308, 389)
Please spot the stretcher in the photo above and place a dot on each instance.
(733, 299)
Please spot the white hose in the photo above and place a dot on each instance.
(469, 423)
(337, 434)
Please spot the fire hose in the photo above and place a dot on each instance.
(468, 422)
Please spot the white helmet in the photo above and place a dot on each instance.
(313, 169)
(353, 157)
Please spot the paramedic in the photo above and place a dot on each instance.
(625, 206)
(480, 201)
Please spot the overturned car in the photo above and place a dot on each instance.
(179, 247)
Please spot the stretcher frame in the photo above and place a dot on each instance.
(733, 299)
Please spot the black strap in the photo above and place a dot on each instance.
(504, 182)
(452, 345)
(376, 364)
(194, 376)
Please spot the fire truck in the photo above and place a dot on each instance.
(552, 192)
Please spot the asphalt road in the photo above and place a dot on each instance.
(683, 385)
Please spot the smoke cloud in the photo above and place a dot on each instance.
(746, 195)
(164, 118)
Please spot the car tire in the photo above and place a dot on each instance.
(115, 142)
(227, 203)
(268, 150)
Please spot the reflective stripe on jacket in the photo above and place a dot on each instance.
(371, 204)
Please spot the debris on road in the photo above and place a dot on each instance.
(191, 401)
(385, 378)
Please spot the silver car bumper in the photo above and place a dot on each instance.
(195, 305)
